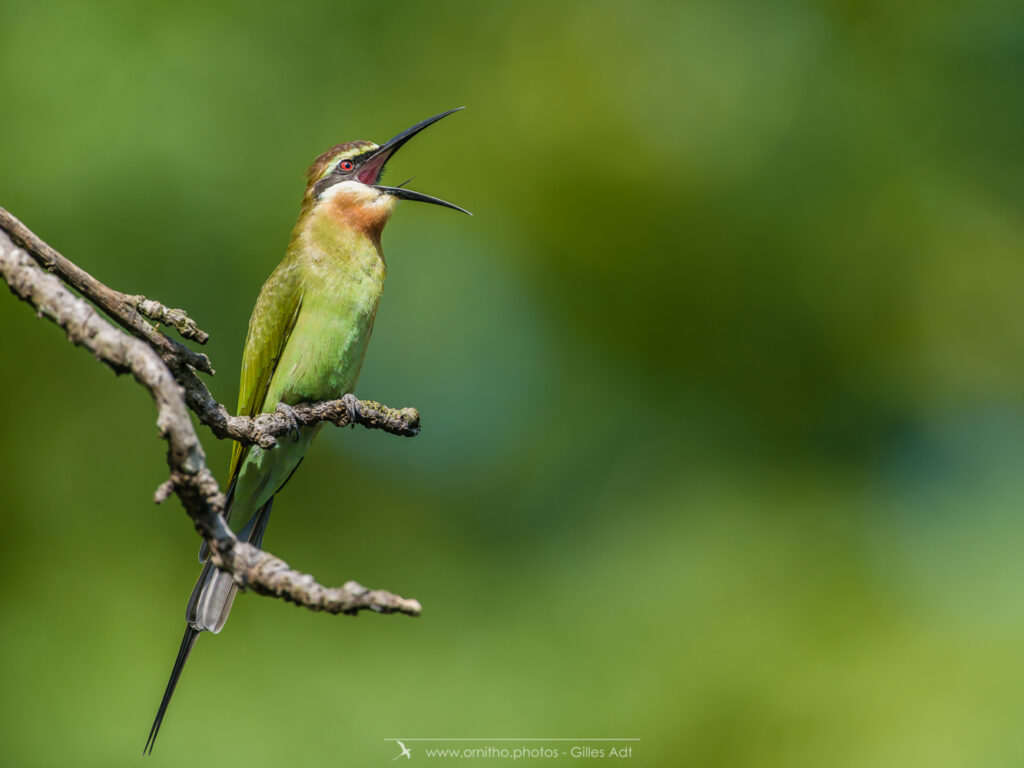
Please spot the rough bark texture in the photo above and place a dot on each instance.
(120, 307)
(167, 370)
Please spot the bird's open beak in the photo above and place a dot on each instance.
(373, 166)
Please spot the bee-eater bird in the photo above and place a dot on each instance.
(306, 342)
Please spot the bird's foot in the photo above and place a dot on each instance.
(293, 420)
(352, 406)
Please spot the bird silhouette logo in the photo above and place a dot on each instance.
(406, 753)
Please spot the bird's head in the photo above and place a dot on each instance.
(346, 179)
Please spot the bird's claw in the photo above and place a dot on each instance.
(352, 406)
(293, 420)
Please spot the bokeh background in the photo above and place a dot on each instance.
(722, 387)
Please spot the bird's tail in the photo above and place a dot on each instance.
(187, 642)
(215, 591)
(207, 610)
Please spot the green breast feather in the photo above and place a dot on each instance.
(311, 324)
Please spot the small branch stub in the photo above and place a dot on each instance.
(175, 318)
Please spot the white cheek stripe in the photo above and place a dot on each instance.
(355, 188)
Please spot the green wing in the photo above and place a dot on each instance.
(272, 321)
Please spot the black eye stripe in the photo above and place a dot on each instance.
(335, 175)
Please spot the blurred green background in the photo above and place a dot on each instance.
(722, 387)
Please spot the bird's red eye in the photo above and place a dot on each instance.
(346, 165)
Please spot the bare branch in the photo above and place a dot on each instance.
(190, 478)
(122, 308)
(267, 575)
(263, 430)
(124, 354)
